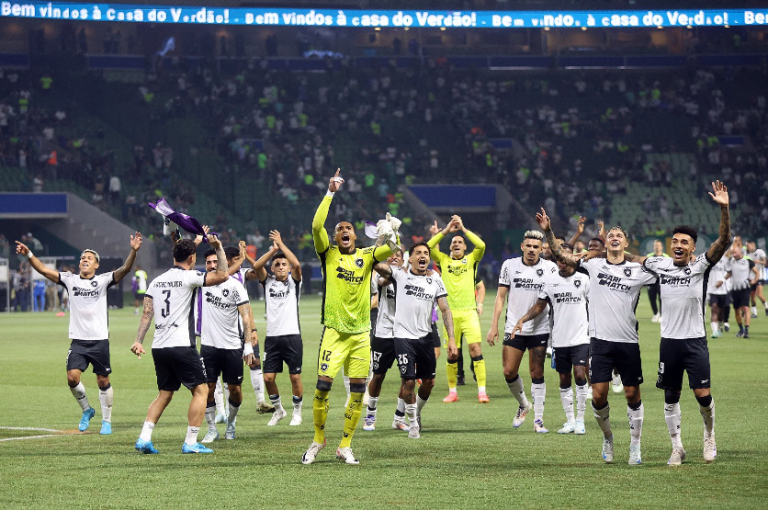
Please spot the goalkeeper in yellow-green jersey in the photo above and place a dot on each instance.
(346, 318)
(459, 272)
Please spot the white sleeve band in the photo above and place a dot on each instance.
(30, 254)
(329, 193)
(247, 349)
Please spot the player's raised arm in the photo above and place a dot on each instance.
(289, 255)
(259, 265)
(479, 244)
(579, 230)
(38, 266)
(539, 306)
(220, 275)
(384, 270)
(498, 306)
(720, 195)
(445, 311)
(123, 270)
(319, 235)
(146, 319)
(557, 249)
(434, 241)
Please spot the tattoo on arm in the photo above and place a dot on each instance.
(442, 303)
(557, 250)
(384, 270)
(535, 310)
(718, 248)
(146, 319)
(247, 316)
(222, 260)
(127, 265)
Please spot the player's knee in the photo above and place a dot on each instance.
(269, 378)
(73, 380)
(705, 400)
(477, 358)
(510, 375)
(324, 385)
(537, 373)
(671, 397)
(565, 381)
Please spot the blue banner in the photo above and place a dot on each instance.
(375, 18)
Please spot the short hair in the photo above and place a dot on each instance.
(533, 234)
(560, 239)
(95, 254)
(183, 250)
(343, 221)
(416, 245)
(598, 239)
(685, 229)
(620, 228)
(461, 236)
(567, 246)
(279, 255)
(209, 252)
(231, 252)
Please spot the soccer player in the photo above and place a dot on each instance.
(614, 286)
(88, 325)
(416, 292)
(520, 281)
(567, 294)
(346, 315)
(758, 256)
(169, 301)
(744, 274)
(718, 294)
(683, 332)
(655, 289)
(140, 288)
(459, 272)
(226, 321)
(283, 343)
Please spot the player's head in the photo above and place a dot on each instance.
(89, 262)
(396, 259)
(579, 247)
(280, 266)
(458, 247)
(185, 252)
(751, 246)
(683, 244)
(565, 269)
(419, 258)
(596, 244)
(532, 244)
(658, 248)
(617, 240)
(211, 260)
(233, 255)
(546, 251)
(345, 236)
(736, 248)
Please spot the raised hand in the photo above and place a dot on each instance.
(214, 242)
(274, 235)
(580, 224)
(22, 248)
(136, 241)
(457, 223)
(720, 195)
(543, 220)
(243, 248)
(434, 229)
(335, 182)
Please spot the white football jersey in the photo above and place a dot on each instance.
(568, 299)
(614, 290)
(172, 296)
(757, 255)
(414, 297)
(87, 305)
(240, 277)
(221, 325)
(741, 272)
(524, 283)
(281, 300)
(717, 274)
(682, 292)
(385, 323)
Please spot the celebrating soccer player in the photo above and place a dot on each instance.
(88, 325)
(169, 301)
(615, 285)
(567, 294)
(417, 293)
(459, 272)
(744, 274)
(283, 343)
(520, 281)
(346, 315)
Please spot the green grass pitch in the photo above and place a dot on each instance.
(468, 457)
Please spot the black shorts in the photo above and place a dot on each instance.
(382, 354)
(721, 300)
(175, 366)
(84, 352)
(740, 298)
(139, 297)
(604, 356)
(754, 287)
(728, 300)
(434, 337)
(416, 358)
(288, 349)
(691, 355)
(227, 362)
(564, 358)
(374, 319)
(523, 342)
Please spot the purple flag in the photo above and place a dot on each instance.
(185, 221)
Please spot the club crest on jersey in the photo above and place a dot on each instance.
(687, 271)
(94, 284)
(429, 280)
(577, 283)
(359, 263)
(464, 261)
(540, 272)
(627, 272)
(225, 292)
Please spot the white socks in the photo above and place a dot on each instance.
(603, 419)
(539, 393)
(297, 403)
(581, 401)
(192, 433)
(420, 403)
(79, 393)
(257, 381)
(708, 415)
(410, 412)
(218, 397)
(106, 397)
(566, 397)
(232, 416)
(635, 423)
(146, 431)
(210, 417)
(715, 327)
(673, 419)
(518, 391)
(373, 402)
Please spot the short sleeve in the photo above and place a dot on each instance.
(108, 279)
(238, 295)
(194, 278)
(751, 264)
(441, 292)
(652, 263)
(701, 263)
(64, 279)
(504, 276)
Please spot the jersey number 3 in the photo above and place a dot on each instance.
(165, 312)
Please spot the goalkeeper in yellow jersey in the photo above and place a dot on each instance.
(459, 272)
(346, 317)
